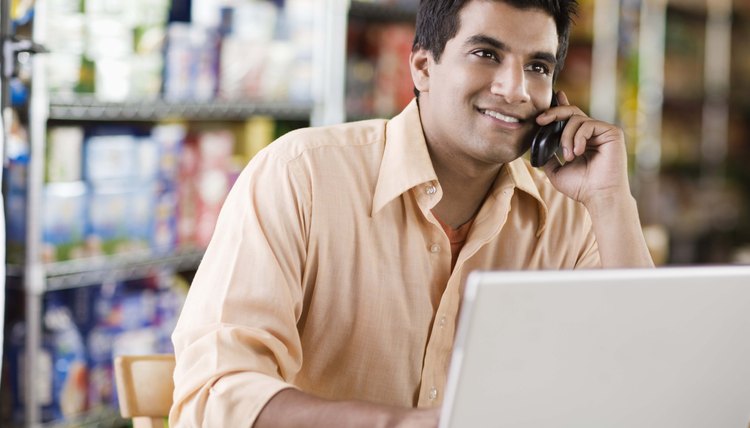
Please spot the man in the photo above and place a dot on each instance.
(330, 291)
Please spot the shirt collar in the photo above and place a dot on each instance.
(520, 174)
(406, 163)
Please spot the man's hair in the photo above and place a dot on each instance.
(438, 21)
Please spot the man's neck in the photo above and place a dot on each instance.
(465, 183)
(463, 194)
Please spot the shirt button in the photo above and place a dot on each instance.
(442, 322)
(435, 248)
(431, 190)
(433, 393)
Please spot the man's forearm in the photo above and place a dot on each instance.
(618, 231)
(293, 408)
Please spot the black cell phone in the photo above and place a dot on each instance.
(545, 144)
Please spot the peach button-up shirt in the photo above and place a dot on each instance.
(327, 272)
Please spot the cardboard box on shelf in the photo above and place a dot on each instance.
(110, 157)
(64, 153)
(206, 175)
(64, 221)
(120, 217)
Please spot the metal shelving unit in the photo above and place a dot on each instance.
(38, 278)
(90, 109)
(99, 418)
(96, 270)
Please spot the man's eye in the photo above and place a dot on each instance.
(539, 68)
(486, 54)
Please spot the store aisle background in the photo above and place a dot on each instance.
(123, 140)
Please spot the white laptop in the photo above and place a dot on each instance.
(663, 348)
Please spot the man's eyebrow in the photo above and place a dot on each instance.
(482, 39)
(546, 57)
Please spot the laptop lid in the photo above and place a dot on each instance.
(665, 347)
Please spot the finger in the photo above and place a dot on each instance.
(557, 113)
(596, 133)
(582, 137)
(568, 139)
(562, 99)
(561, 112)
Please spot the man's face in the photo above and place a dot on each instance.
(479, 103)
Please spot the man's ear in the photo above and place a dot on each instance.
(419, 63)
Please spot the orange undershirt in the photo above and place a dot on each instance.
(457, 238)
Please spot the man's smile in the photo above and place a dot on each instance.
(513, 121)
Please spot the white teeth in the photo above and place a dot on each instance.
(501, 116)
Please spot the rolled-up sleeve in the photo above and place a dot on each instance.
(236, 341)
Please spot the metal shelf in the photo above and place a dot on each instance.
(101, 417)
(95, 270)
(89, 109)
(382, 12)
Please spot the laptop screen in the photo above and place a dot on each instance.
(664, 347)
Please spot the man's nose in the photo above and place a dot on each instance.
(510, 83)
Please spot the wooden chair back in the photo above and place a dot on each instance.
(144, 388)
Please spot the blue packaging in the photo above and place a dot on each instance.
(164, 236)
(170, 138)
(110, 158)
(60, 372)
(147, 159)
(108, 218)
(69, 366)
(64, 221)
(141, 217)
